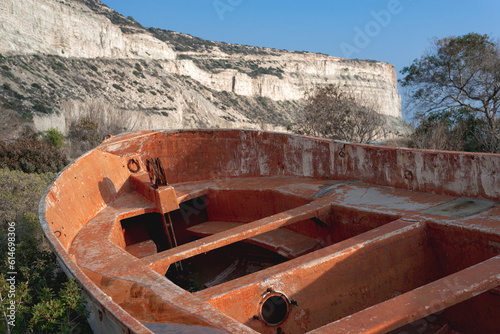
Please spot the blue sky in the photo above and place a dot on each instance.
(394, 31)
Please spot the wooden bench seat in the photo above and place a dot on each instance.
(142, 249)
(285, 242)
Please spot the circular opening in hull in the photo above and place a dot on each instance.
(274, 309)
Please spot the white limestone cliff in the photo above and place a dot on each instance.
(374, 82)
(72, 29)
(69, 28)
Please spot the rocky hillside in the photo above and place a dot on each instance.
(58, 54)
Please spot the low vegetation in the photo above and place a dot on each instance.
(250, 67)
(92, 120)
(184, 43)
(46, 302)
(128, 24)
(32, 156)
(54, 137)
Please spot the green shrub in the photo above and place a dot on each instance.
(63, 313)
(60, 66)
(276, 71)
(229, 119)
(120, 88)
(183, 56)
(54, 137)
(35, 85)
(41, 107)
(9, 75)
(138, 74)
(18, 96)
(46, 302)
(20, 193)
(120, 73)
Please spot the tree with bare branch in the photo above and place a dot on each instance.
(457, 76)
(333, 112)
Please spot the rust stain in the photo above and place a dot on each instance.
(351, 234)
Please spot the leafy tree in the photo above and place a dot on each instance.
(459, 75)
(334, 112)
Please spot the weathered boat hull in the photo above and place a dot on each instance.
(274, 233)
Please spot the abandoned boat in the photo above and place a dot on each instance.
(235, 231)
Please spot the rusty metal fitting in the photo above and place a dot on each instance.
(107, 137)
(274, 308)
(133, 165)
(156, 172)
(342, 153)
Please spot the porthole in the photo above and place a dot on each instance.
(274, 308)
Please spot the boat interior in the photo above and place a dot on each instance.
(248, 231)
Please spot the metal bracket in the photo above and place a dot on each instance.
(156, 172)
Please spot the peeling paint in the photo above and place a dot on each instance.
(381, 261)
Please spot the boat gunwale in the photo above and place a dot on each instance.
(97, 295)
(113, 311)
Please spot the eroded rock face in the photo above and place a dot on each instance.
(229, 88)
(69, 28)
(374, 82)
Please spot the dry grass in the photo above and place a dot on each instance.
(89, 121)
